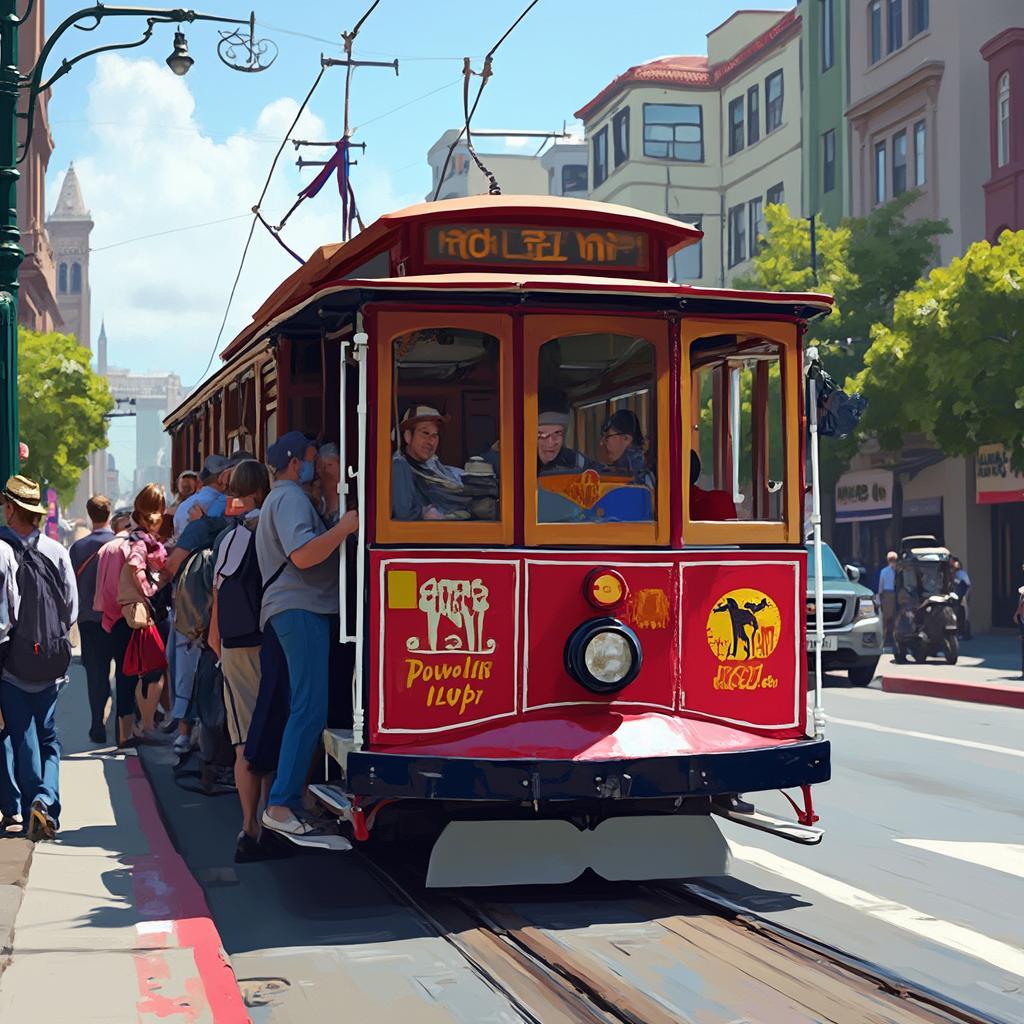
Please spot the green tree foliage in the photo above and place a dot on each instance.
(951, 365)
(62, 405)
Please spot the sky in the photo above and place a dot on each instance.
(156, 153)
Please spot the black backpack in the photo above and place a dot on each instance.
(38, 649)
(239, 598)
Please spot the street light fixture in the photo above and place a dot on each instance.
(236, 49)
(180, 61)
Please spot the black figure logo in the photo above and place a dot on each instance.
(742, 620)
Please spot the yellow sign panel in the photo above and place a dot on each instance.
(743, 624)
(401, 588)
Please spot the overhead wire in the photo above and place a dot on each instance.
(485, 75)
(169, 231)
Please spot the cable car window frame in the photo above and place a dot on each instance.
(734, 531)
(538, 330)
(385, 327)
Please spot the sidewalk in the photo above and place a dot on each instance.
(112, 928)
(987, 672)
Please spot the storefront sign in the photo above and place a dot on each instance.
(864, 496)
(512, 244)
(996, 481)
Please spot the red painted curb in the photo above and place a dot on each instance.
(976, 693)
(169, 896)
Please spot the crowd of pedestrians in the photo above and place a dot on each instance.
(216, 618)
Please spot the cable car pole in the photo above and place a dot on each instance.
(819, 623)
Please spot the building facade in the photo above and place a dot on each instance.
(826, 74)
(69, 227)
(1004, 189)
(37, 301)
(710, 140)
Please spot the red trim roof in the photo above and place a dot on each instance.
(694, 72)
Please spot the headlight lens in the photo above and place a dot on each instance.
(608, 657)
(866, 608)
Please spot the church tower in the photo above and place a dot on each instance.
(69, 226)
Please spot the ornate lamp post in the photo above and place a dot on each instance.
(236, 49)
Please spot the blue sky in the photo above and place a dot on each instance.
(156, 153)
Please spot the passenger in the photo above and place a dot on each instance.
(211, 496)
(552, 455)
(707, 506)
(622, 444)
(422, 486)
(328, 477)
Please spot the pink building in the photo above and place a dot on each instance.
(1004, 190)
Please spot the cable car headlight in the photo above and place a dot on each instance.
(603, 655)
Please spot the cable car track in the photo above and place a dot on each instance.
(654, 954)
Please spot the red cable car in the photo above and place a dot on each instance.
(577, 601)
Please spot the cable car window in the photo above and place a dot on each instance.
(596, 443)
(738, 456)
(445, 418)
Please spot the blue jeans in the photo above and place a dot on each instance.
(304, 638)
(10, 798)
(31, 720)
(186, 661)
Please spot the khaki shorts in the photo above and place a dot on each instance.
(241, 668)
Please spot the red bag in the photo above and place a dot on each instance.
(145, 653)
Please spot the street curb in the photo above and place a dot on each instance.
(975, 693)
(180, 911)
(15, 864)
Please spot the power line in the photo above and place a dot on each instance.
(409, 103)
(169, 231)
(369, 53)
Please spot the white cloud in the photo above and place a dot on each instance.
(152, 168)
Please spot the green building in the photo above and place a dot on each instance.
(826, 75)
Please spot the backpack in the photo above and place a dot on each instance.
(193, 595)
(38, 649)
(238, 606)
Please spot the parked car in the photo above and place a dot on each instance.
(853, 627)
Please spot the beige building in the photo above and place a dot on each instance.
(710, 140)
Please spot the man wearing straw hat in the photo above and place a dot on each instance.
(38, 604)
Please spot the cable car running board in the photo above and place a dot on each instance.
(805, 835)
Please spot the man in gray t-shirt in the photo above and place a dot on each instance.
(298, 559)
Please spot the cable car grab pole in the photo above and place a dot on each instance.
(819, 624)
(360, 351)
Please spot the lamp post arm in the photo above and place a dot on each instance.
(153, 15)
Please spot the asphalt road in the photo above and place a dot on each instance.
(921, 871)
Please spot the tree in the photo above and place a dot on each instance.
(951, 365)
(62, 405)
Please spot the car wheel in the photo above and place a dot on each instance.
(863, 674)
(952, 649)
(919, 653)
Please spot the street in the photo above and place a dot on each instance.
(921, 872)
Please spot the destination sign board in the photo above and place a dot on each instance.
(514, 244)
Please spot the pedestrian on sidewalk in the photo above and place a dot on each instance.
(211, 496)
(887, 598)
(97, 650)
(962, 587)
(1018, 617)
(299, 567)
(40, 604)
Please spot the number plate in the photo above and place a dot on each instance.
(828, 643)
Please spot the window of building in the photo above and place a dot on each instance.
(828, 163)
(446, 419)
(620, 136)
(776, 194)
(828, 35)
(918, 16)
(894, 24)
(875, 29)
(574, 178)
(738, 432)
(736, 133)
(920, 142)
(755, 217)
(600, 153)
(62, 279)
(688, 264)
(880, 172)
(597, 440)
(76, 278)
(674, 131)
(737, 234)
(899, 163)
(753, 114)
(1003, 120)
(773, 102)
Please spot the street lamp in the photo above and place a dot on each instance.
(237, 50)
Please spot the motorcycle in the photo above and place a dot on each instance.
(927, 615)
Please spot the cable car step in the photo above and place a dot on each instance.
(333, 798)
(806, 835)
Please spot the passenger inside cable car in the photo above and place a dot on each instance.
(446, 393)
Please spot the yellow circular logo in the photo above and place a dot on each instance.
(743, 625)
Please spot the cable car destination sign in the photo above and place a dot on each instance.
(516, 244)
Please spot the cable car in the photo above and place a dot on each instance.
(577, 600)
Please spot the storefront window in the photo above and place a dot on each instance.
(596, 430)
(738, 457)
(446, 418)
